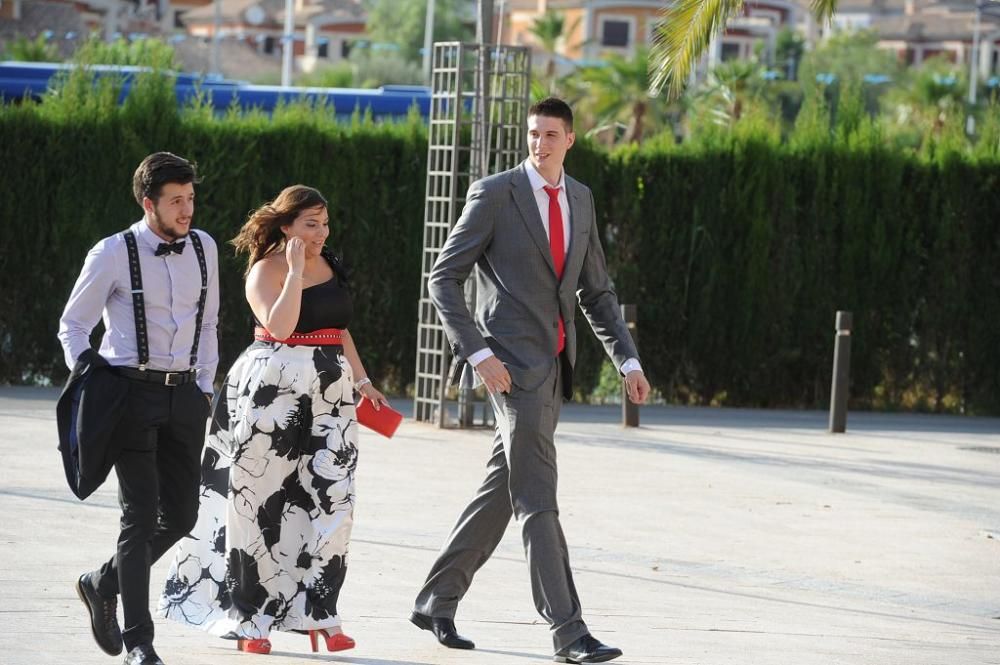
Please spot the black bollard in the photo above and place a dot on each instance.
(841, 374)
(630, 411)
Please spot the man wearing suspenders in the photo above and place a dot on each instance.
(156, 287)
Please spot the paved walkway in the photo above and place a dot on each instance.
(707, 536)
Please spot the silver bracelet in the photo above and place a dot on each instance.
(362, 382)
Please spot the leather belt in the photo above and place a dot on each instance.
(158, 376)
(321, 337)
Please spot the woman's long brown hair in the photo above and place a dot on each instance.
(261, 235)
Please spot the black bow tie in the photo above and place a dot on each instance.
(170, 247)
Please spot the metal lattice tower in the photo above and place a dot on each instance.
(472, 134)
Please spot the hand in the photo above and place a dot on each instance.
(295, 254)
(637, 386)
(372, 394)
(494, 375)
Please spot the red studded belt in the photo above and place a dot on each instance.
(321, 337)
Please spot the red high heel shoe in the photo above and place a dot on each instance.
(334, 642)
(254, 646)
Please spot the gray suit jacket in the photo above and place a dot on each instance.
(519, 298)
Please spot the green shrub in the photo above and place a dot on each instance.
(38, 49)
(340, 75)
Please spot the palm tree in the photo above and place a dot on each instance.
(934, 96)
(618, 92)
(730, 90)
(685, 31)
(548, 29)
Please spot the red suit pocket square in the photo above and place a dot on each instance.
(384, 421)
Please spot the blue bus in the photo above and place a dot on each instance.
(21, 81)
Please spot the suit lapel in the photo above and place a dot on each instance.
(577, 226)
(524, 198)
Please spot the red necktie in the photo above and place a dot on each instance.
(557, 245)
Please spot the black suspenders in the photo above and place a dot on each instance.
(139, 304)
(200, 253)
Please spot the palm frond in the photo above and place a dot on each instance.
(685, 31)
(823, 9)
(548, 28)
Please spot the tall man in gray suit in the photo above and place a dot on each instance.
(531, 232)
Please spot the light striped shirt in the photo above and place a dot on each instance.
(171, 285)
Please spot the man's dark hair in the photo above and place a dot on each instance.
(159, 169)
(553, 107)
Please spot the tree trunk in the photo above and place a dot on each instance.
(634, 133)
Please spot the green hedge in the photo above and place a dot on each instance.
(738, 248)
(67, 183)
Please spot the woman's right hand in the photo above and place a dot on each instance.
(295, 254)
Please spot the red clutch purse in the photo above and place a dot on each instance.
(384, 421)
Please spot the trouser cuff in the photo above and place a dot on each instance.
(566, 635)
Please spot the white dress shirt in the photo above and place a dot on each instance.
(171, 288)
(538, 185)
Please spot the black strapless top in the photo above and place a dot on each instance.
(326, 305)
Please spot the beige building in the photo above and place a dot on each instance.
(68, 22)
(919, 29)
(593, 28)
(324, 29)
(914, 29)
(250, 31)
(596, 28)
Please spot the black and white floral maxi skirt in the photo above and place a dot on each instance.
(269, 551)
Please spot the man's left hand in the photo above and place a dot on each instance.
(637, 386)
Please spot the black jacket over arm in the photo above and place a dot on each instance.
(87, 414)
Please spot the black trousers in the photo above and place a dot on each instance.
(159, 440)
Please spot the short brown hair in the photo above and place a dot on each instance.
(553, 107)
(261, 235)
(159, 169)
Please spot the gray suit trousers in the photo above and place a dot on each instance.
(521, 481)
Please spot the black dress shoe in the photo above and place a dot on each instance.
(586, 650)
(444, 630)
(103, 617)
(142, 655)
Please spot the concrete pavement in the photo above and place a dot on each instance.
(707, 536)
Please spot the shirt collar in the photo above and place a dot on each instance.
(536, 179)
(146, 235)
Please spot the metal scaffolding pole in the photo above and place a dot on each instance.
(479, 102)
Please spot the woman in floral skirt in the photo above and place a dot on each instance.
(269, 551)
